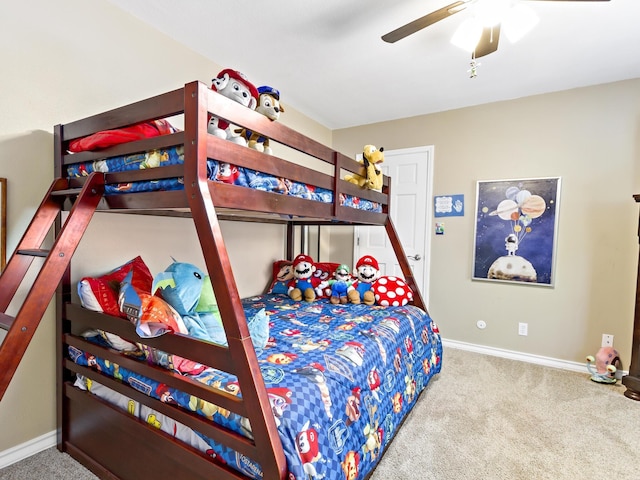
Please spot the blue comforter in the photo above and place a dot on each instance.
(340, 379)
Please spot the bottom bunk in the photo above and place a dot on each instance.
(340, 379)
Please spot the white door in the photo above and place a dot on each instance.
(411, 172)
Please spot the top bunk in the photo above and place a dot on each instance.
(183, 166)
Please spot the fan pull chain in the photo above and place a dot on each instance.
(473, 71)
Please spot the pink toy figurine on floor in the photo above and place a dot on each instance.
(607, 362)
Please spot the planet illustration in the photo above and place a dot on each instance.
(534, 206)
(512, 267)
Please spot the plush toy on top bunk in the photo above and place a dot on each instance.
(269, 106)
(371, 175)
(234, 85)
(304, 283)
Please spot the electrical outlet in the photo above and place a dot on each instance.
(607, 340)
(523, 329)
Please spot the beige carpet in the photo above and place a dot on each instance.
(485, 418)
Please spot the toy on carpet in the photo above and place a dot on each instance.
(234, 85)
(341, 285)
(367, 271)
(269, 106)
(607, 362)
(371, 175)
(304, 282)
(189, 291)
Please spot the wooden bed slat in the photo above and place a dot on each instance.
(161, 375)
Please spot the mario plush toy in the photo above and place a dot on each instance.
(304, 283)
(367, 272)
(234, 85)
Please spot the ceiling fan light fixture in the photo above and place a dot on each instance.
(519, 21)
(491, 12)
(468, 34)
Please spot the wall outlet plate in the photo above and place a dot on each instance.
(523, 329)
(607, 340)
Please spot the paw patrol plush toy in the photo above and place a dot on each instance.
(269, 106)
(304, 283)
(234, 85)
(367, 272)
(607, 362)
(371, 175)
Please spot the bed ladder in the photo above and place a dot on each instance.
(20, 329)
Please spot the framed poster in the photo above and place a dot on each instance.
(515, 231)
(3, 223)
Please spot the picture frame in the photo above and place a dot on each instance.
(516, 228)
(3, 223)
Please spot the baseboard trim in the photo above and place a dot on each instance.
(26, 449)
(523, 357)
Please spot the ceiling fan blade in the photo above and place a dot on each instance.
(423, 22)
(488, 41)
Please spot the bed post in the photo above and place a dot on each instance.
(241, 350)
(418, 301)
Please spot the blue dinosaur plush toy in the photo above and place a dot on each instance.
(189, 291)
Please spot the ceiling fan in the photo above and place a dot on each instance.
(487, 32)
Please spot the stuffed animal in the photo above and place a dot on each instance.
(189, 291)
(607, 362)
(371, 175)
(269, 106)
(304, 282)
(366, 272)
(234, 85)
(341, 285)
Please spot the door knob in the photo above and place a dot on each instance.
(415, 257)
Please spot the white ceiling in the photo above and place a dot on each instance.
(328, 61)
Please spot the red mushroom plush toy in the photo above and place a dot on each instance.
(392, 291)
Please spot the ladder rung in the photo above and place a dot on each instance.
(67, 192)
(5, 321)
(33, 252)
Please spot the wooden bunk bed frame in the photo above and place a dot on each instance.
(113, 444)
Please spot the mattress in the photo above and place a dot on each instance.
(340, 379)
(216, 171)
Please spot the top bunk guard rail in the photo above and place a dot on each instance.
(196, 101)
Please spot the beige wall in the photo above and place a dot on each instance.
(591, 138)
(68, 59)
(63, 61)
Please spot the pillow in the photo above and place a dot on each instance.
(282, 273)
(109, 138)
(151, 315)
(391, 291)
(100, 294)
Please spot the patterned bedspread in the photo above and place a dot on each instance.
(218, 171)
(340, 379)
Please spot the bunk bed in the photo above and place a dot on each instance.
(105, 423)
